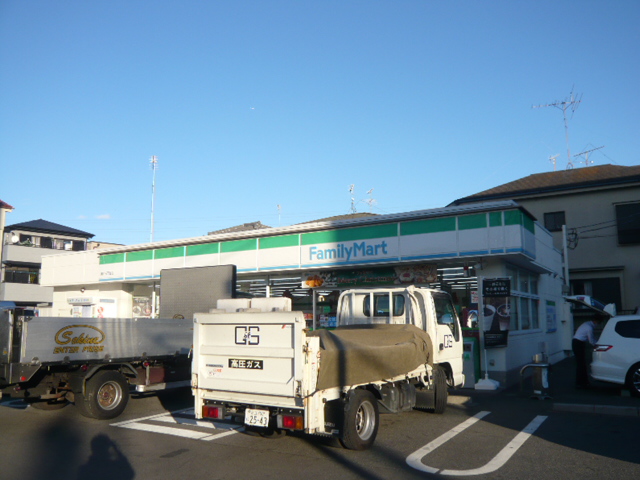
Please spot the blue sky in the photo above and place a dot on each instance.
(253, 104)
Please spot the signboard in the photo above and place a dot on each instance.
(496, 315)
(399, 275)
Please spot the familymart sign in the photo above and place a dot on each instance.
(425, 239)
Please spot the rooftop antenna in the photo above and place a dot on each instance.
(154, 167)
(370, 201)
(586, 153)
(571, 103)
(552, 159)
(279, 207)
(353, 200)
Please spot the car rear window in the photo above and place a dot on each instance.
(628, 329)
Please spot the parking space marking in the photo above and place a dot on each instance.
(181, 418)
(415, 459)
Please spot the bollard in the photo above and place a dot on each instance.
(540, 376)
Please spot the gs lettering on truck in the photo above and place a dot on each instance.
(79, 338)
(247, 335)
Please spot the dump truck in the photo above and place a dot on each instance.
(256, 363)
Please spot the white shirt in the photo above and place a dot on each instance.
(584, 333)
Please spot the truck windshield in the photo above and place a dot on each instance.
(381, 305)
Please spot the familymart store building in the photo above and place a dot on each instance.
(451, 248)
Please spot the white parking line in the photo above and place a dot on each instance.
(415, 459)
(171, 418)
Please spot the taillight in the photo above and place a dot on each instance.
(602, 348)
(291, 422)
(213, 411)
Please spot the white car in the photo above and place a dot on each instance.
(616, 356)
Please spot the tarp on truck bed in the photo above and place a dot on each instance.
(366, 353)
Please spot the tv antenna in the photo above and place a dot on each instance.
(353, 200)
(572, 103)
(154, 167)
(552, 159)
(279, 207)
(370, 201)
(586, 153)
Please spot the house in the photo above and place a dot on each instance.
(23, 246)
(600, 207)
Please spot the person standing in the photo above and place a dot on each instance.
(584, 338)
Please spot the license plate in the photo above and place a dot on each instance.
(256, 418)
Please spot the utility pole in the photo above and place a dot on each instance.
(154, 167)
(571, 103)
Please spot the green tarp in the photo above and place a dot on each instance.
(368, 353)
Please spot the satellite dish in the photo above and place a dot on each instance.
(14, 238)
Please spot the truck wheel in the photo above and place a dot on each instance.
(361, 420)
(441, 392)
(106, 395)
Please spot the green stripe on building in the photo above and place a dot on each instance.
(350, 234)
(495, 219)
(433, 225)
(469, 222)
(169, 252)
(203, 249)
(517, 217)
(113, 258)
(139, 256)
(280, 242)
(239, 245)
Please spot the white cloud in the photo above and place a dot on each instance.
(104, 216)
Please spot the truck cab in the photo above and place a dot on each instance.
(428, 309)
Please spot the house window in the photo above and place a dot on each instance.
(628, 222)
(553, 221)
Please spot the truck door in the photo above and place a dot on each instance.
(449, 343)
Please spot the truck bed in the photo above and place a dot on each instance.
(51, 340)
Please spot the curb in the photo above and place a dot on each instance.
(597, 409)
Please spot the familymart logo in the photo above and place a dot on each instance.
(347, 252)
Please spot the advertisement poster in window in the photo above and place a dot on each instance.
(496, 315)
(142, 307)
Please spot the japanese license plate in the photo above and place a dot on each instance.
(256, 418)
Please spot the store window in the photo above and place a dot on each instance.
(525, 302)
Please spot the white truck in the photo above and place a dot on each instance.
(256, 363)
(92, 362)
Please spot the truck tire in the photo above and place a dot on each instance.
(361, 420)
(106, 395)
(441, 392)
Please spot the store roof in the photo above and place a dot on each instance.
(562, 181)
(343, 221)
(43, 226)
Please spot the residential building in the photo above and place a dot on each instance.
(24, 245)
(600, 207)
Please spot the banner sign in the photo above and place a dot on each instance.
(400, 275)
(496, 316)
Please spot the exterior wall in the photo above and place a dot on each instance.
(508, 232)
(73, 268)
(597, 254)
